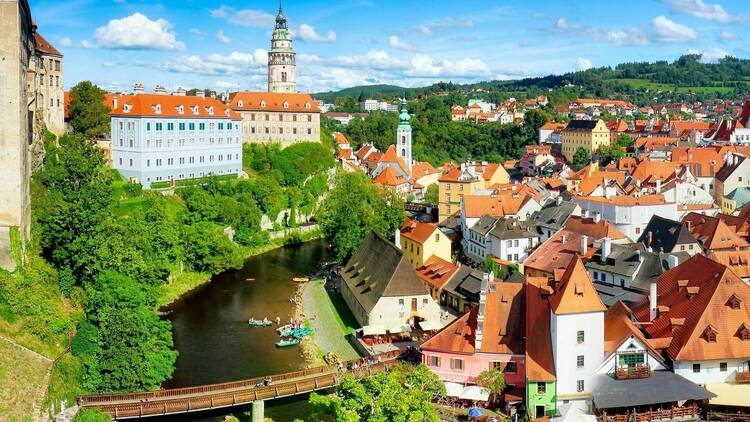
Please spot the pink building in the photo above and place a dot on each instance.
(489, 336)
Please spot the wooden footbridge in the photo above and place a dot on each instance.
(236, 393)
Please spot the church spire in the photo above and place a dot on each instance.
(280, 18)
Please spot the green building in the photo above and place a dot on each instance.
(541, 382)
(541, 398)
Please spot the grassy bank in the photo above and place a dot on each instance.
(22, 377)
(330, 322)
(186, 281)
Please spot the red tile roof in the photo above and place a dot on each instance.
(272, 101)
(713, 233)
(558, 251)
(540, 365)
(148, 104)
(687, 315)
(436, 271)
(417, 231)
(44, 46)
(576, 294)
(389, 177)
(592, 229)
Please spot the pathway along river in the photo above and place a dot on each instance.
(212, 335)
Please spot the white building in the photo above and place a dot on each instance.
(159, 138)
(576, 332)
(630, 214)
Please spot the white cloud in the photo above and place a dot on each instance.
(196, 32)
(666, 30)
(700, 9)
(343, 78)
(422, 65)
(261, 56)
(244, 17)
(65, 42)
(307, 33)
(308, 58)
(709, 55)
(235, 63)
(446, 24)
(223, 38)
(620, 37)
(726, 35)
(583, 64)
(374, 59)
(138, 32)
(86, 44)
(224, 85)
(396, 43)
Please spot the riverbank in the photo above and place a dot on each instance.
(184, 282)
(330, 328)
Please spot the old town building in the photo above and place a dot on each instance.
(49, 72)
(277, 117)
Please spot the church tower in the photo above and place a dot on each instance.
(403, 137)
(281, 63)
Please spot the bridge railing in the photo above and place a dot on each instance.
(222, 387)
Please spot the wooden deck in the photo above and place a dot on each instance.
(214, 396)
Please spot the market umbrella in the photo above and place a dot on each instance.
(475, 412)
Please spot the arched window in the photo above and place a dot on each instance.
(403, 139)
(403, 152)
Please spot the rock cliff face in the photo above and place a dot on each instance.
(37, 149)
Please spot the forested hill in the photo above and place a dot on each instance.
(685, 79)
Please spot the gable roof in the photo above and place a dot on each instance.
(618, 327)
(418, 231)
(436, 271)
(554, 215)
(713, 233)
(558, 251)
(665, 234)
(575, 293)
(390, 177)
(540, 365)
(581, 125)
(273, 101)
(379, 269)
(694, 296)
(592, 228)
(731, 163)
(390, 156)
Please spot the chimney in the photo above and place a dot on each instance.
(652, 302)
(650, 238)
(558, 200)
(658, 186)
(639, 255)
(597, 217)
(478, 334)
(114, 102)
(160, 90)
(138, 88)
(397, 238)
(584, 244)
(585, 213)
(672, 261)
(606, 248)
(563, 238)
(200, 93)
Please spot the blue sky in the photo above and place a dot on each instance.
(222, 45)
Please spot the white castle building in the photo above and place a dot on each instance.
(163, 138)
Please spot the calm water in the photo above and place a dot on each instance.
(213, 338)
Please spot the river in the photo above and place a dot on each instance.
(212, 335)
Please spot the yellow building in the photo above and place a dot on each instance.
(420, 241)
(465, 180)
(586, 134)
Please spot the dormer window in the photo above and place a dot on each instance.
(157, 108)
(710, 334)
(734, 302)
(126, 108)
(181, 109)
(744, 332)
(195, 110)
(240, 103)
(286, 104)
(263, 104)
(210, 110)
(307, 105)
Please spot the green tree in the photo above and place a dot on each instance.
(624, 140)
(581, 158)
(124, 344)
(353, 208)
(208, 249)
(403, 394)
(92, 415)
(493, 380)
(610, 153)
(431, 196)
(89, 114)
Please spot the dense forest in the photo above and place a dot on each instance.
(686, 79)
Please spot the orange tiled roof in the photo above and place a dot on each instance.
(651, 171)
(737, 261)
(364, 151)
(576, 294)
(553, 126)
(344, 154)
(619, 327)
(651, 142)
(540, 365)
(593, 229)
(713, 233)
(389, 177)
(590, 180)
(272, 101)
(390, 156)
(340, 138)
(498, 205)
(421, 169)
(417, 231)
(436, 271)
(558, 251)
(155, 105)
(44, 46)
(694, 296)
(485, 172)
(628, 200)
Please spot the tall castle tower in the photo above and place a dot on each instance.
(403, 136)
(281, 63)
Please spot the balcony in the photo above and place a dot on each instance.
(633, 372)
(743, 377)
